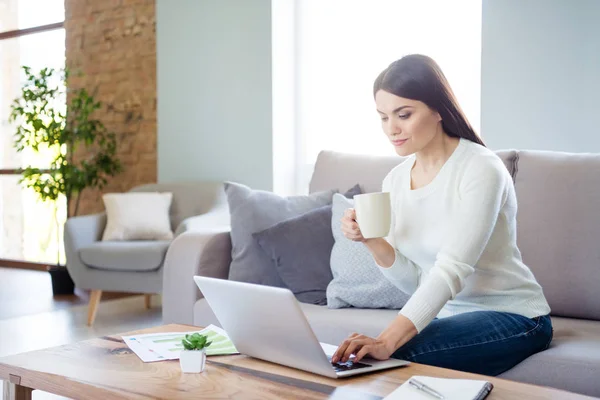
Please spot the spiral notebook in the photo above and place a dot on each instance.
(451, 389)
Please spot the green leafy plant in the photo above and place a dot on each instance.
(45, 123)
(195, 341)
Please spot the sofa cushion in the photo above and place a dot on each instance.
(341, 170)
(558, 226)
(334, 325)
(137, 216)
(252, 211)
(330, 326)
(509, 158)
(334, 170)
(143, 255)
(571, 363)
(300, 249)
(357, 282)
(189, 198)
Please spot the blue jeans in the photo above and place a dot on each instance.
(483, 342)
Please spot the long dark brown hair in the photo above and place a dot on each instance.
(418, 77)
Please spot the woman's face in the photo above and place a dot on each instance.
(409, 124)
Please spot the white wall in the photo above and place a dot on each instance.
(214, 91)
(540, 78)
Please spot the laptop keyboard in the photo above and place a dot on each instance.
(348, 365)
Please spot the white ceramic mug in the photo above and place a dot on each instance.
(373, 214)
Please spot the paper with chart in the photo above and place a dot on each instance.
(167, 346)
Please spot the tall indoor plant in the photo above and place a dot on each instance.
(44, 119)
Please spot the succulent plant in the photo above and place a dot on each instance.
(195, 341)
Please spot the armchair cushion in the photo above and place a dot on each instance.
(138, 256)
(137, 216)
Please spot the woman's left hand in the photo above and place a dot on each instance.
(360, 346)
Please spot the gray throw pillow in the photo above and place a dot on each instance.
(300, 249)
(252, 211)
(357, 282)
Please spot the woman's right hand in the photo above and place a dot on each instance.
(350, 227)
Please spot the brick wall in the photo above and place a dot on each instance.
(113, 44)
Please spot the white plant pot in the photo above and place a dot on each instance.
(192, 361)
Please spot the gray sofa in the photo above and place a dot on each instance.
(558, 233)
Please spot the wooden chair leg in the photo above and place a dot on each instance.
(95, 296)
(148, 300)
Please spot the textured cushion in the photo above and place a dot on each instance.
(137, 216)
(356, 280)
(125, 256)
(571, 363)
(252, 211)
(558, 226)
(300, 249)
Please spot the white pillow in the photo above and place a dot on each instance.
(137, 216)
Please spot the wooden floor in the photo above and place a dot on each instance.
(28, 312)
(26, 292)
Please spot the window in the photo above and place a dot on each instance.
(31, 34)
(339, 47)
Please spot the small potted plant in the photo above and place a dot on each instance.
(193, 356)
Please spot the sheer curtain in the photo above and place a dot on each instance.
(30, 230)
(338, 48)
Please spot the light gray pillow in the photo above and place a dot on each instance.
(357, 282)
(253, 211)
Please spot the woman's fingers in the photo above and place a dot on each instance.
(350, 213)
(360, 346)
(350, 228)
(340, 350)
(355, 346)
(343, 346)
(366, 349)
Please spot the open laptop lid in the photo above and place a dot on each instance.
(266, 323)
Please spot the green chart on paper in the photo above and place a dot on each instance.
(169, 344)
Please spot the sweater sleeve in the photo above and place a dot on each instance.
(482, 193)
(403, 273)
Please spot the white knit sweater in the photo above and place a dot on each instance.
(455, 240)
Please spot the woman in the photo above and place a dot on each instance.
(452, 243)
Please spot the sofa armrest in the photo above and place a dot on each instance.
(206, 253)
(80, 232)
(216, 218)
(85, 230)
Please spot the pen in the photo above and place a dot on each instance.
(423, 387)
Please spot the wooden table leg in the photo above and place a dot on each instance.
(13, 391)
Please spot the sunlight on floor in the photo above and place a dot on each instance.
(33, 332)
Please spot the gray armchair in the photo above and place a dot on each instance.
(137, 266)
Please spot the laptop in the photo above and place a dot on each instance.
(267, 323)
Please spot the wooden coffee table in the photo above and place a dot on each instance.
(105, 368)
